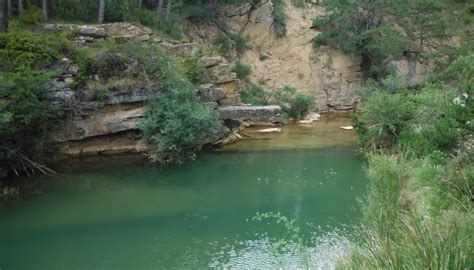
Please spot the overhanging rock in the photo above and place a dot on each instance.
(253, 114)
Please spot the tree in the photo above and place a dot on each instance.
(45, 10)
(168, 10)
(3, 16)
(140, 4)
(9, 8)
(20, 6)
(423, 22)
(101, 11)
(159, 11)
(362, 27)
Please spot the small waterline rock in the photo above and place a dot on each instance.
(348, 128)
(270, 130)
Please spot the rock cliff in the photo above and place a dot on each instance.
(326, 73)
(106, 122)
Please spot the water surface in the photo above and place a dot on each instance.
(124, 213)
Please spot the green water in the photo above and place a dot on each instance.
(123, 213)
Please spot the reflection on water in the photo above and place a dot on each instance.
(326, 250)
(124, 213)
(323, 133)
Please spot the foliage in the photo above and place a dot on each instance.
(177, 125)
(369, 28)
(298, 3)
(412, 225)
(33, 15)
(383, 118)
(242, 70)
(223, 44)
(279, 18)
(418, 212)
(227, 43)
(193, 69)
(294, 104)
(255, 95)
(263, 57)
(239, 41)
(23, 49)
(26, 119)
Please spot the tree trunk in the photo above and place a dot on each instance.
(140, 4)
(3, 15)
(101, 11)
(9, 8)
(20, 7)
(168, 10)
(45, 10)
(159, 11)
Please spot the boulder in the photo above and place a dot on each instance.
(210, 93)
(230, 100)
(270, 113)
(221, 73)
(184, 49)
(108, 121)
(210, 61)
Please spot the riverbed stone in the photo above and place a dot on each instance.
(271, 113)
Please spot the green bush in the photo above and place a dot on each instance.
(177, 125)
(32, 15)
(193, 69)
(242, 70)
(26, 118)
(240, 42)
(223, 44)
(294, 104)
(106, 64)
(415, 216)
(23, 49)
(263, 57)
(380, 31)
(279, 18)
(254, 95)
(383, 118)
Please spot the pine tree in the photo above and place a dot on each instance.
(168, 10)
(159, 11)
(101, 11)
(3, 15)
(20, 6)
(45, 10)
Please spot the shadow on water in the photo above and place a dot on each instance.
(124, 213)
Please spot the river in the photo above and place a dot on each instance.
(125, 213)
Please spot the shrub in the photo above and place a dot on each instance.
(240, 42)
(279, 18)
(294, 104)
(25, 119)
(223, 44)
(23, 49)
(263, 57)
(193, 70)
(32, 15)
(254, 95)
(383, 118)
(242, 70)
(106, 64)
(177, 125)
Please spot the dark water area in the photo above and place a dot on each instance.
(125, 213)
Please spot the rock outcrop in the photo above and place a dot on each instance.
(252, 114)
(105, 120)
(331, 76)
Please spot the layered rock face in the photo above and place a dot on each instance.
(106, 121)
(326, 73)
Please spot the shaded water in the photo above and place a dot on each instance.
(123, 213)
